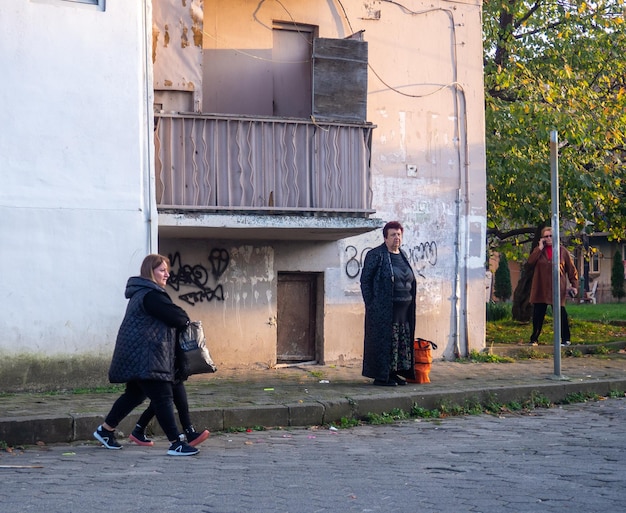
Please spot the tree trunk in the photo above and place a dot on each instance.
(522, 310)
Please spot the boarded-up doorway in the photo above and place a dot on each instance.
(296, 315)
(291, 69)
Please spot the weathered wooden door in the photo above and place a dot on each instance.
(296, 304)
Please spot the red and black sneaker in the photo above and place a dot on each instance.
(139, 437)
(194, 438)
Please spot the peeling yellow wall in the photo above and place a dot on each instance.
(177, 53)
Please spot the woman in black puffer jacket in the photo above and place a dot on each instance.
(144, 355)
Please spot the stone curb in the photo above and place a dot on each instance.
(79, 427)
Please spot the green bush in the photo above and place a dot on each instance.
(617, 277)
(502, 286)
(498, 311)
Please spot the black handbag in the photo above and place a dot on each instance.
(193, 343)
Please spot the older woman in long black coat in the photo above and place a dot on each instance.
(388, 289)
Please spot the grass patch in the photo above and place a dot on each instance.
(108, 389)
(590, 324)
(605, 313)
(537, 401)
(473, 407)
(580, 397)
(387, 418)
(573, 353)
(600, 349)
(508, 331)
(423, 413)
(530, 353)
(347, 422)
(485, 357)
(244, 429)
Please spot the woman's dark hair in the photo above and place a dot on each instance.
(392, 225)
(150, 263)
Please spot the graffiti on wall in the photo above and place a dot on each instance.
(420, 257)
(199, 277)
(355, 261)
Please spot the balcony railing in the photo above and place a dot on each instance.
(269, 165)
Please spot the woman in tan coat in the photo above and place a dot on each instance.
(541, 290)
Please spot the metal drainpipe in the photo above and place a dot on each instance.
(460, 272)
(460, 275)
(464, 181)
(456, 306)
(150, 208)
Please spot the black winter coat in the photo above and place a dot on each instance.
(377, 291)
(146, 342)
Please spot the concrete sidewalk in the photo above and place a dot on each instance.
(311, 395)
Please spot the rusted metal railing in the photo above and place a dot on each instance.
(209, 162)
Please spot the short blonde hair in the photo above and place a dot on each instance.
(545, 229)
(150, 263)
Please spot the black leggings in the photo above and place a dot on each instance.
(161, 399)
(539, 314)
(180, 401)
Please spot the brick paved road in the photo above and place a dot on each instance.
(570, 459)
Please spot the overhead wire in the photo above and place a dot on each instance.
(460, 105)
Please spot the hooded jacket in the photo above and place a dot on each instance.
(146, 342)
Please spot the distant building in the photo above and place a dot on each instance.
(594, 260)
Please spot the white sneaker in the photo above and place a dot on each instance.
(181, 448)
(106, 438)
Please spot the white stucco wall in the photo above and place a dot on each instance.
(74, 161)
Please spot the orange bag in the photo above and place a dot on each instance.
(422, 350)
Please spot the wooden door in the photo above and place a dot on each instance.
(296, 304)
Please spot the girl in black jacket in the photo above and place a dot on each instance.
(144, 355)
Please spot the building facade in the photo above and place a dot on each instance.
(261, 146)
(594, 259)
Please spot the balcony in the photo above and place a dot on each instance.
(214, 169)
